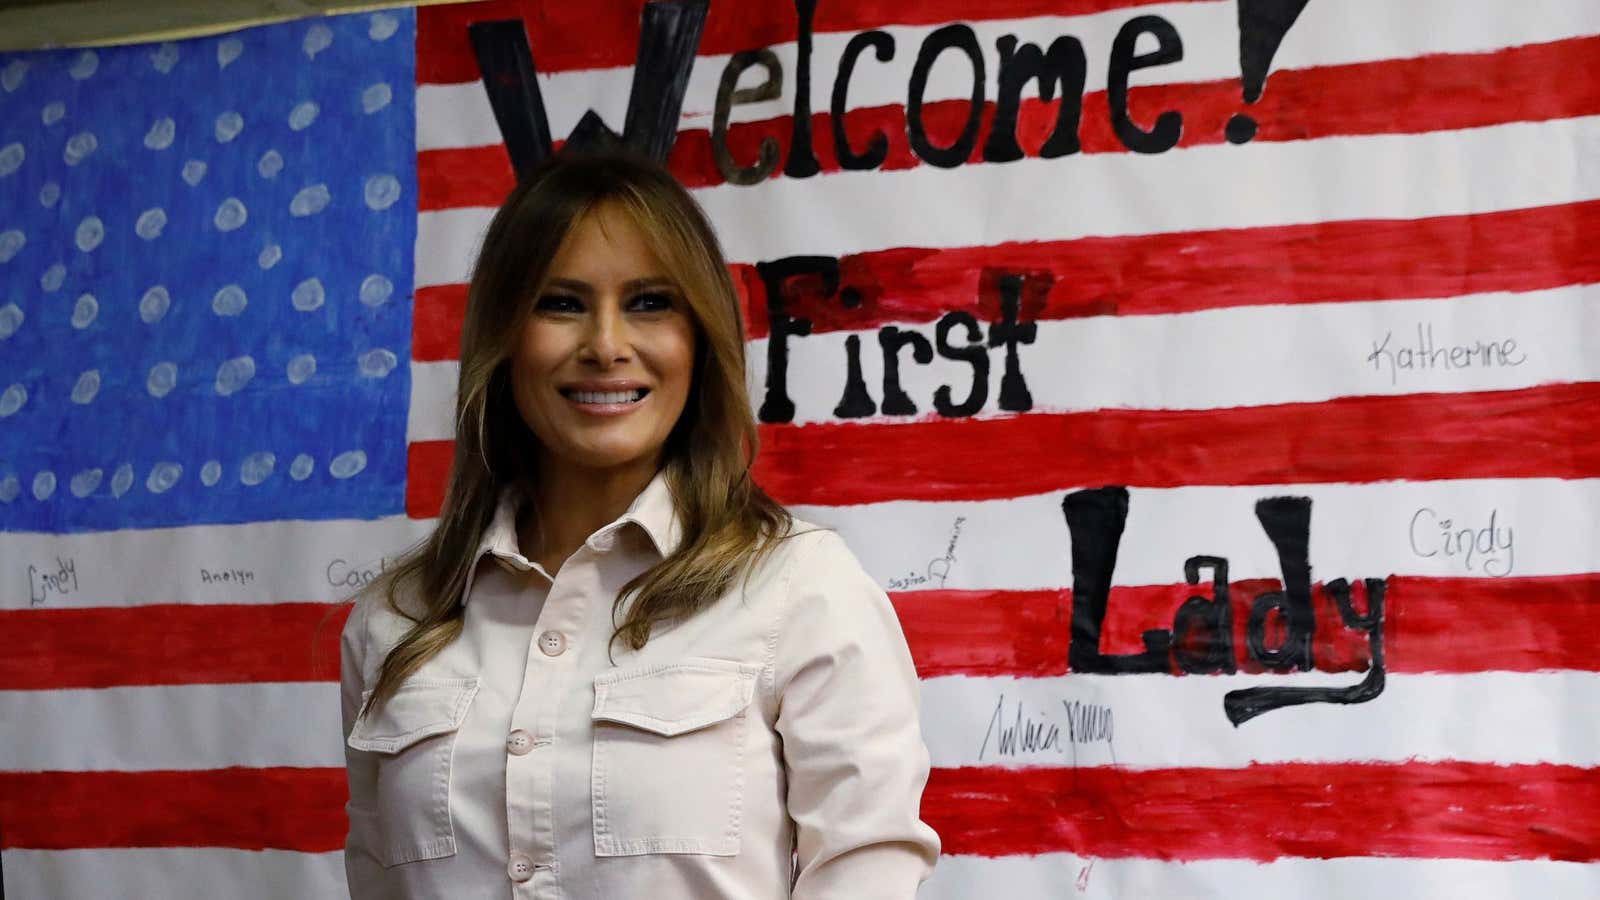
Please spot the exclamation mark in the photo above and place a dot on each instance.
(1262, 25)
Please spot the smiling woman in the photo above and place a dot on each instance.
(666, 685)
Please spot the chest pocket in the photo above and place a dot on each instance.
(669, 747)
(414, 737)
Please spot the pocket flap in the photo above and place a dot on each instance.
(423, 707)
(673, 698)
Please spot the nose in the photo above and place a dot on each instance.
(606, 340)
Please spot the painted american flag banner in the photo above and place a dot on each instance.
(1211, 385)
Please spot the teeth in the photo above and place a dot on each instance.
(607, 397)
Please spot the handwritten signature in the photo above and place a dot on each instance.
(938, 569)
(1030, 732)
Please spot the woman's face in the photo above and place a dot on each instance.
(604, 364)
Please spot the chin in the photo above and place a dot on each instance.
(609, 457)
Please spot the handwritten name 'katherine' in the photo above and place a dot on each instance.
(1395, 356)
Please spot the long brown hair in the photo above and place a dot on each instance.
(728, 521)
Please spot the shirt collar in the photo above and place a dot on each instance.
(653, 510)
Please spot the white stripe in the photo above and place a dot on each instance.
(1213, 186)
(196, 726)
(1351, 31)
(1357, 531)
(1215, 359)
(1406, 176)
(1491, 717)
(203, 563)
(447, 244)
(432, 414)
(1055, 876)
(180, 873)
(1167, 721)
(1218, 359)
(175, 873)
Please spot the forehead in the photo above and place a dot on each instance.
(606, 245)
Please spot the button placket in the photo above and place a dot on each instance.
(529, 775)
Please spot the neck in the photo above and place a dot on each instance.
(572, 502)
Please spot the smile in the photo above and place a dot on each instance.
(606, 402)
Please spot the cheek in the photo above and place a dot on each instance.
(535, 358)
(680, 358)
(532, 373)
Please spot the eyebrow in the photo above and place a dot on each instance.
(583, 287)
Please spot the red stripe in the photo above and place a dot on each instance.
(1349, 261)
(1343, 261)
(1548, 431)
(245, 809)
(1452, 625)
(170, 644)
(1449, 625)
(1539, 432)
(427, 475)
(1429, 810)
(567, 36)
(437, 314)
(1263, 812)
(1398, 96)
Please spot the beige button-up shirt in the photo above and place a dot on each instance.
(767, 747)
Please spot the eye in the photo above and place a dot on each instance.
(653, 301)
(559, 303)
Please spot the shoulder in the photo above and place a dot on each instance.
(374, 626)
(808, 549)
(834, 616)
(823, 575)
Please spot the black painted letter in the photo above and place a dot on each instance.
(973, 353)
(895, 400)
(882, 44)
(1008, 332)
(669, 34)
(1064, 65)
(729, 95)
(1169, 125)
(1095, 519)
(962, 37)
(775, 275)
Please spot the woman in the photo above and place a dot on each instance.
(616, 668)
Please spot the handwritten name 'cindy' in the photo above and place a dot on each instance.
(59, 579)
(1201, 637)
(1437, 536)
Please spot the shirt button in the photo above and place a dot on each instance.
(520, 868)
(553, 643)
(519, 742)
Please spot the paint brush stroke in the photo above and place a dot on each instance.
(1264, 812)
(1424, 810)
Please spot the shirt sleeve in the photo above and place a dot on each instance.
(364, 874)
(848, 715)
